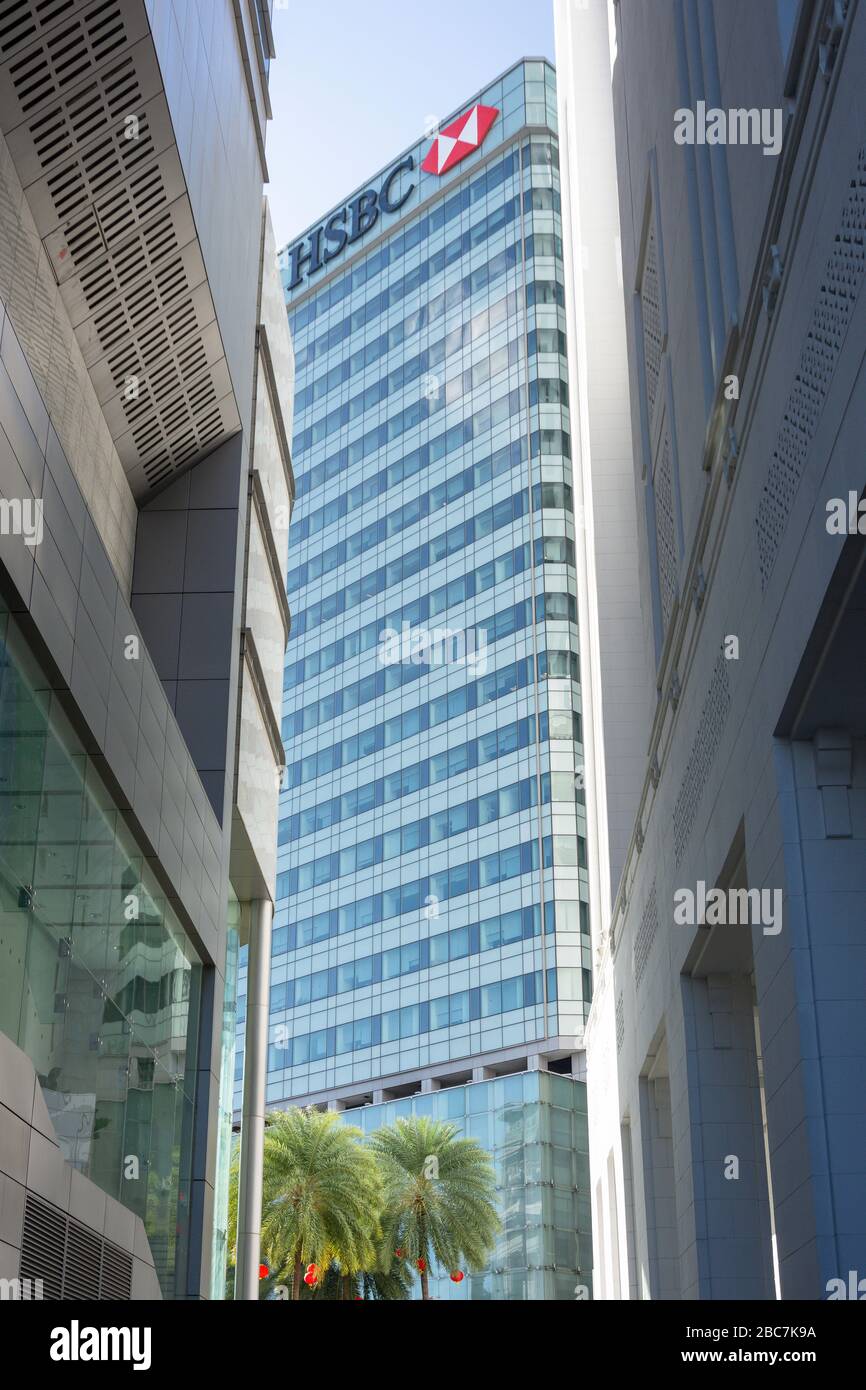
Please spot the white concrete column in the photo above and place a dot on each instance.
(253, 1104)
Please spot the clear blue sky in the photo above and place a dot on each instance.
(354, 82)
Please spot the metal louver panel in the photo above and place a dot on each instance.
(116, 1275)
(147, 298)
(72, 1261)
(111, 160)
(164, 337)
(82, 1263)
(85, 116)
(21, 22)
(109, 277)
(65, 53)
(123, 87)
(153, 390)
(192, 423)
(43, 1246)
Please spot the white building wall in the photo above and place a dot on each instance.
(616, 671)
(754, 762)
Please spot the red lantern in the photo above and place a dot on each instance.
(311, 1279)
(422, 1265)
(263, 1271)
(399, 1253)
(358, 1298)
(457, 1276)
(312, 1269)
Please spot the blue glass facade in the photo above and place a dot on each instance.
(432, 903)
(534, 1127)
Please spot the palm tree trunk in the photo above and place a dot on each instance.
(344, 1294)
(424, 1255)
(296, 1279)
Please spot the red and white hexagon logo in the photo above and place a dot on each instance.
(459, 138)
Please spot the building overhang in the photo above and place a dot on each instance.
(87, 123)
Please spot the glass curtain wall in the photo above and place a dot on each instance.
(432, 696)
(534, 1127)
(99, 985)
(225, 1149)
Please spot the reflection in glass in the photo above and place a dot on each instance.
(100, 985)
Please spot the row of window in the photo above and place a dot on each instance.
(387, 632)
(537, 153)
(395, 248)
(497, 412)
(466, 332)
(373, 686)
(472, 814)
(410, 562)
(448, 1011)
(454, 820)
(409, 723)
(382, 966)
(501, 461)
(435, 396)
(489, 747)
(457, 438)
(522, 923)
(553, 549)
(538, 292)
(545, 292)
(367, 912)
(561, 851)
(446, 302)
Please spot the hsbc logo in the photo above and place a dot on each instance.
(346, 226)
(459, 138)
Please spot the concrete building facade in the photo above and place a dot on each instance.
(145, 406)
(725, 1045)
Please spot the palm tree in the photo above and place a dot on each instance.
(321, 1194)
(369, 1285)
(439, 1195)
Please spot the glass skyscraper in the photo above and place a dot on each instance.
(431, 928)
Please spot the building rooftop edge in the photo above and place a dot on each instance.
(407, 149)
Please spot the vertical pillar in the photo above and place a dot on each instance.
(730, 1251)
(810, 988)
(660, 1187)
(253, 1105)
